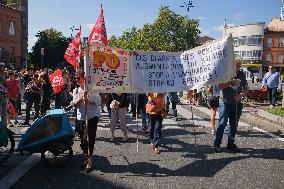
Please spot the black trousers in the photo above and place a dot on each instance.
(91, 133)
(30, 102)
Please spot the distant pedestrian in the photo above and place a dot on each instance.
(46, 93)
(230, 108)
(13, 87)
(156, 109)
(119, 104)
(33, 95)
(272, 81)
(213, 105)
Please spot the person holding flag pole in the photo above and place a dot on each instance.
(88, 112)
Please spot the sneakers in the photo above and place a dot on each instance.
(271, 106)
(213, 132)
(233, 148)
(217, 148)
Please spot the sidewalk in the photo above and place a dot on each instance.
(187, 159)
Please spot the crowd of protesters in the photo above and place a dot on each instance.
(35, 90)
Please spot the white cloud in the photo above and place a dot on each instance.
(221, 27)
(218, 28)
(31, 42)
(204, 32)
(239, 16)
(90, 26)
(200, 18)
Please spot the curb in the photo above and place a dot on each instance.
(271, 117)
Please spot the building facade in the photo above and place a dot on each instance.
(248, 46)
(21, 5)
(10, 36)
(273, 43)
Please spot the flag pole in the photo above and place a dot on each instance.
(86, 91)
(137, 125)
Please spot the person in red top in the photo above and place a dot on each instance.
(13, 90)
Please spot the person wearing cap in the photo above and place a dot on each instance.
(91, 113)
(272, 81)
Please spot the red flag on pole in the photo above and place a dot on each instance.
(73, 52)
(57, 81)
(98, 34)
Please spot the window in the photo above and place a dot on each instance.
(281, 41)
(13, 51)
(280, 58)
(269, 42)
(268, 58)
(11, 27)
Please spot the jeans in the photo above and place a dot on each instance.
(155, 129)
(272, 95)
(233, 113)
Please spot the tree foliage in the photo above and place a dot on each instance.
(54, 44)
(169, 32)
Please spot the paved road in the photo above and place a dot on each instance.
(187, 160)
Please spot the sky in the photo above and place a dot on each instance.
(121, 15)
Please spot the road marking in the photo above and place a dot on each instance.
(240, 124)
(13, 176)
(269, 134)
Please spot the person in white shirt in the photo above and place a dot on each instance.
(81, 98)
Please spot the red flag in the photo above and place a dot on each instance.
(98, 34)
(57, 81)
(73, 52)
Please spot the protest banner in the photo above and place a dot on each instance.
(210, 63)
(108, 69)
(57, 81)
(156, 72)
(118, 70)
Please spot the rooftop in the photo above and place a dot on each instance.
(276, 25)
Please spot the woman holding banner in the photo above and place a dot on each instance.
(87, 131)
(155, 108)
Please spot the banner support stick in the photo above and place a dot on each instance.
(137, 125)
(86, 100)
(193, 126)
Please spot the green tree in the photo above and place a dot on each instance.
(54, 44)
(169, 32)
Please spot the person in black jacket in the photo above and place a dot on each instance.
(46, 93)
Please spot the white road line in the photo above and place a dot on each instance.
(13, 176)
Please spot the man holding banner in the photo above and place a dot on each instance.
(230, 108)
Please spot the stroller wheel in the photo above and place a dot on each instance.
(7, 150)
(57, 154)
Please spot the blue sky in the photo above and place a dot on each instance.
(123, 14)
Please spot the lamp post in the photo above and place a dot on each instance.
(39, 36)
(72, 30)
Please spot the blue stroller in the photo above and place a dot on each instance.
(50, 135)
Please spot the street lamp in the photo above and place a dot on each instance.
(39, 36)
(72, 30)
